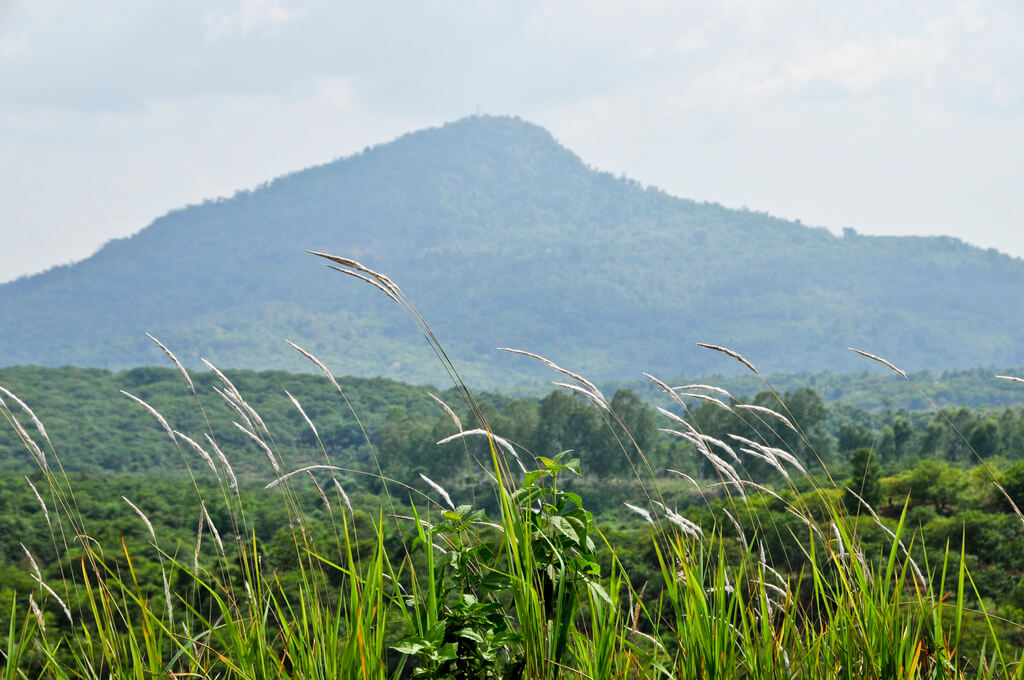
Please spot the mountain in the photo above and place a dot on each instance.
(503, 237)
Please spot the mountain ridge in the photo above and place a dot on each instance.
(502, 236)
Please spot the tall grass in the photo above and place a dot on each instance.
(521, 594)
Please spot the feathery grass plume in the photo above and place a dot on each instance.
(236, 396)
(42, 504)
(300, 471)
(771, 460)
(736, 525)
(54, 595)
(839, 539)
(448, 410)
(233, 483)
(686, 525)
(385, 283)
(679, 419)
(301, 410)
(29, 443)
(319, 490)
(38, 576)
(503, 443)
(771, 412)
(439, 489)
(344, 496)
(223, 378)
(704, 397)
(262, 445)
(732, 353)
(687, 477)
(547, 362)
(199, 543)
(880, 360)
(201, 451)
(230, 401)
(1011, 378)
(640, 511)
(36, 613)
(316, 362)
(31, 414)
(368, 280)
(707, 388)
(170, 355)
(142, 515)
(720, 444)
(213, 529)
(32, 562)
(585, 392)
(153, 412)
(671, 392)
(167, 597)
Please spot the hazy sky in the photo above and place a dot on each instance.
(892, 118)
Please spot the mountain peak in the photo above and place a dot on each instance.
(502, 236)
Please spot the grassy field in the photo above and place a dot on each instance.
(518, 584)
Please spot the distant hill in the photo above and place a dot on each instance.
(503, 237)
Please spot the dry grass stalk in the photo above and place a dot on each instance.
(319, 490)
(596, 399)
(36, 613)
(880, 360)
(142, 515)
(707, 388)
(303, 412)
(46, 513)
(771, 412)
(31, 414)
(732, 353)
(675, 518)
(233, 483)
(201, 451)
(230, 401)
(344, 496)
(448, 410)
(262, 445)
(688, 478)
(439, 489)
(29, 443)
(153, 412)
(170, 355)
(385, 282)
(704, 397)
(547, 362)
(316, 362)
(640, 511)
(679, 419)
(213, 529)
(308, 468)
(368, 280)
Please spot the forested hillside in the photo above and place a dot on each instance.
(503, 237)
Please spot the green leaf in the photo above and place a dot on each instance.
(599, 592)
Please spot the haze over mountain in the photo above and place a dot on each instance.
(503, 237)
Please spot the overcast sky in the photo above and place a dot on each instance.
(892, 118)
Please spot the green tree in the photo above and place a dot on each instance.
(865, 481)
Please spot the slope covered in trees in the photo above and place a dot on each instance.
(502, 237)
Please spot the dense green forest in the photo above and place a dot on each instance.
(593, 270)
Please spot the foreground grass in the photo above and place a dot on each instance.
(518, 594)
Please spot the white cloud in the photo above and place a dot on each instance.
(12, 47)
(245, 17)
(859, 66)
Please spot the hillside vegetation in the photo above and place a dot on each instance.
(507, 238)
